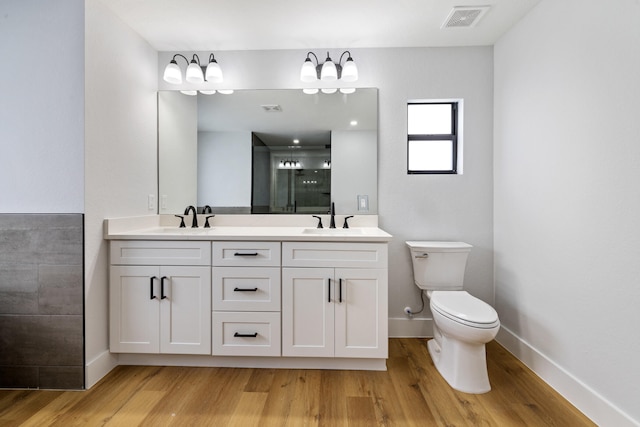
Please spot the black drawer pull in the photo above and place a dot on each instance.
(151, 295)
(239, 335)
(340, 298)
(246, 254)
(162, 295)
(245, 289)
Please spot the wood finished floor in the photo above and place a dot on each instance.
(410, 393)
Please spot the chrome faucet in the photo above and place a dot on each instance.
(332, 223)
(194, 222)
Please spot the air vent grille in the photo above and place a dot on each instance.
(464, 17)
(271, 108)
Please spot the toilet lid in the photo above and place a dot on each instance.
(463, 307)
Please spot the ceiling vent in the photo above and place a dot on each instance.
(271, 108)
(464, 16)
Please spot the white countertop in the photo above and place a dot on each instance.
(363, 228)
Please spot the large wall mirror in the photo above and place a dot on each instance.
(268, 151)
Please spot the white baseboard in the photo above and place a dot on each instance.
(417, 327)
(590, 403)
(98, 367)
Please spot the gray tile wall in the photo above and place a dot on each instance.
(41, 301)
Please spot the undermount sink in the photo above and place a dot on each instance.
(333, 231)
(177, 230)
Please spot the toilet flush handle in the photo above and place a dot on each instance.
(422, 256)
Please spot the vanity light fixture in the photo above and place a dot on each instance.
(196, 73)
(329, 71)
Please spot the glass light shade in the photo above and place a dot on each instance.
(225, 91)
(308, 71)
(349, 71)
(189, 92)
(172, 73)
(310, 91)
(208, 92)
(347, 90)
(194, 73)
(214, 72)
(329, 71)
(329, 90)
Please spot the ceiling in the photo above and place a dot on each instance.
(195, 25)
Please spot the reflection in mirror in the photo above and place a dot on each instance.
(268, 151)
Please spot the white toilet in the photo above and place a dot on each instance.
(462, 324)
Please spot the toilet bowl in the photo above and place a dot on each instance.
(462, 323)
(462, 326)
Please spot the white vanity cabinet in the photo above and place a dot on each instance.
(160, 297)
(334, 299)
(246, 298)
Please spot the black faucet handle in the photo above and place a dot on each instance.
(319, 221)
(206, 221)
(181, 220)
(346, 224)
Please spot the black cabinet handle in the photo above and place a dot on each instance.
(151, 295)
(162, 295)
(246, 254)
(245, 289)
(329, 290)
(239, 335)
(340, 287)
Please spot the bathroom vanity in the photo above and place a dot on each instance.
(251, 291)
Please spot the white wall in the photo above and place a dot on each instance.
(42, 106)
(567, 200)
(411, 207)
(224, 169)
(121, 158)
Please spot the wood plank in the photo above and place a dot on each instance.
(248, 409)
(333, 399)
(277, 408)
(305, 407)
(407, 387)
(360, 412)
(136, 409)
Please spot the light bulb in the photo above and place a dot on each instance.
(194, 73)
(308, 71)
(172, 73)
(329, 71)
(214, 72)
(349, 71)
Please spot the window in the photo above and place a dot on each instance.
(432, 140)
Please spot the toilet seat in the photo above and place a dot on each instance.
(463, 308)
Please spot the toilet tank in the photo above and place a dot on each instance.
(439, 266)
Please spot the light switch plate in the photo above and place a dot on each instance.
(363, 202)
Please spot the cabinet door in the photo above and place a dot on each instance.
(185, 324)
(307, 312)
(361, 321)
(134, 293)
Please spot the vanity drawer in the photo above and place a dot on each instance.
(246, 254)
(332, 254)
(160, 252)
(246, 289)
(246, 334)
